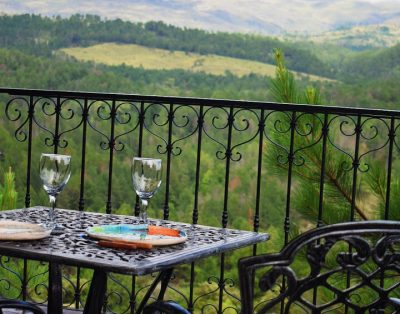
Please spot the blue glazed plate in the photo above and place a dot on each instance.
(134, 233)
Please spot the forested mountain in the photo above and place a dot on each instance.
(39, 35)
(42, 35)
(382, 63)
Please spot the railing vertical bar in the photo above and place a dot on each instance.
(24, 283)
(132, 300)
(221, 284)
(57, 126)
(224, 220)
(77, 295)
(289, 177)
(195, 216)
(140, 148)
(31, 112)
(391, 135)
(110, 167)
(169, 153)
(81, 204)
(85, 115)
(356, 164)
(325, 130)
(200, 124)
(286, 225)
(256, 221)
(137, 205)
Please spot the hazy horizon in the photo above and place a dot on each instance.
(272, 17)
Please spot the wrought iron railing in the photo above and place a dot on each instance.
(209, 147)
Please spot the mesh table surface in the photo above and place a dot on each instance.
(74, 247)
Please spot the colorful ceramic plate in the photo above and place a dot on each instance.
(18, 230)
(144, 233)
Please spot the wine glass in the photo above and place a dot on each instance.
(146, 179)
(55, 171)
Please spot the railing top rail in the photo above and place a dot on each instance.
(203, 102)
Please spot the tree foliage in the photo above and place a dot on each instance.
(8, 194)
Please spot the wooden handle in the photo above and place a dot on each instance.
(124, 245)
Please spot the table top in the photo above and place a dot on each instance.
(75, 248)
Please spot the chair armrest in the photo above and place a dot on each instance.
(167, 307)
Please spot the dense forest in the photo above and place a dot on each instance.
(29, 59)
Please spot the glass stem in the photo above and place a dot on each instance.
(52, 221)
(143, 210)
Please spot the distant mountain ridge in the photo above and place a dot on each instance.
(357, 37)
(268, 17)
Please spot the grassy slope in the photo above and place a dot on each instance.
(154, 58)
(357, 38)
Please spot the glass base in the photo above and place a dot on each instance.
(54, 227)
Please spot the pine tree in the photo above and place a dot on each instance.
(308, 161)
(9, 194)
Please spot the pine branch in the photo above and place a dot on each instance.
(284, 90)
(336, 183)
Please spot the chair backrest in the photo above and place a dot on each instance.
(352, 267)
(20, 305)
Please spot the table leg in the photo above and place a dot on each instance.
(162, 277)
(95, 300)
(54, 304)
(164, 283)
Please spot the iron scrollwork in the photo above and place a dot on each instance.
(368, 130)
(234, 127)
(14, 113)
(371, 242)
(302, 132)
(54, 112)
(159, 117)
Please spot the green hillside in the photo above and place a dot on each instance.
(161, 59)
(42, 35)
(382, 63)
(26, 71)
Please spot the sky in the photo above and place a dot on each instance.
(255, 16)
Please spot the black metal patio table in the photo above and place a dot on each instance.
(74, 248)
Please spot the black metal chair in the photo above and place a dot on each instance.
(362, 253)
(355, 266)
(20, 305)
(164, 307)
